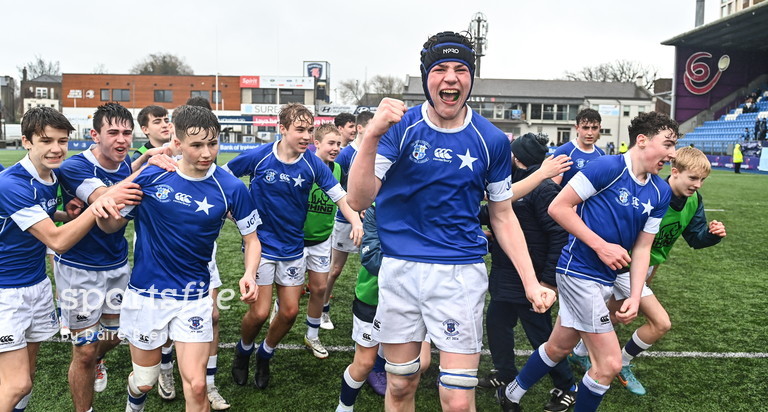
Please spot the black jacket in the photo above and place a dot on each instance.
(545, 239)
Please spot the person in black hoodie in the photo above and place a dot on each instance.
(545, 240)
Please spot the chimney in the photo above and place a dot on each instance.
(639, 82)
(24, 74)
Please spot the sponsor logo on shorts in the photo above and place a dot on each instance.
(195, 323)
(451, 327)
(162, 193)
(376, 324)
(81, 318)
(324, 260)
(54, 317)
(419, 151)
(143, 338)
(605, 319)
(367, 337)
(6, 340)
(270, 176)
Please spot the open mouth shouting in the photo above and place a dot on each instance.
(450, 95)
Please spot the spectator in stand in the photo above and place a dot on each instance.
(763, 129)
(746, 134)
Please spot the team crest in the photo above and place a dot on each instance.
(580, 163)
(196, 323)
(419, 152)
(162, 193)
(293, 272)
(270, 175)
(451, 327)
(623, 198)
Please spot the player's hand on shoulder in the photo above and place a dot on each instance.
(717, 228)
(249, 291)
(125, 193)
(163, 160)
(389, 112)
(541, 298)
(554, 166)
(613, 255)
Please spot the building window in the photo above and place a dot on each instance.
(41, 92)
(263, 96)
(200, 93)
(121, 95)
(291, 96)
(104, 95)
(164, 96)
(216, 96)
(536, 111)
(626, 110)
(563, 135)
(606, 132)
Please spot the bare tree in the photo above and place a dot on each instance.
(100, 68)
(352, 91)
(162, 63)
(618, 71)
(386, 85)
(39, 67)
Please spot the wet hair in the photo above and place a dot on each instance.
(113, 113)
(199, 101)
(588, 116)
(650, 124)
(363, 118)
(36, 119)
(325, 129)
(194, 119)
(689, 158)
(155, 111)
(293, 112)
(444, 47)
(342, 119)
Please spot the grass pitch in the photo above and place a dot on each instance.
(716, 297)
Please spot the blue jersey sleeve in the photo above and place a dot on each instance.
(244, 210)
(595, 176)
(242, 164)
(77, 178)
(499, 171)
(21, 206)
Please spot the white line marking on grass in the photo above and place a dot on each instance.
(714, 210)
(653, 354)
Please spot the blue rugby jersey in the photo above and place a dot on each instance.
(433, 181)
(25, 199)
(617, 207)
(80, 176)
(579, 157)
(281, 194)
(177, 223)
(345, 159)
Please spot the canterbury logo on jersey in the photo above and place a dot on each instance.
(183, 198)
(443, 154)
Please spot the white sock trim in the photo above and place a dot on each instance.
(350, 381)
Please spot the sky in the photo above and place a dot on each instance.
(533, 39)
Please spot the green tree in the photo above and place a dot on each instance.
(162, 63)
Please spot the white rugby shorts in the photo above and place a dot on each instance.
(621, 287)
(318, 257)
(85, 295)
(27, 315)
(582, 304)
(340, 238)
(283, 273)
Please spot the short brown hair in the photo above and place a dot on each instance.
(292, 112)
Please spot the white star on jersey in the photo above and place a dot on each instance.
(467, 160)
(647, 208)
(204, 205)
(297, 181)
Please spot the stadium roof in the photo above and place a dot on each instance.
(545, 89)
(745, 30)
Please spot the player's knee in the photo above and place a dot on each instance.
(215, 316)
(403, 369)
(198, 388)
(18, 387)
(454, 401)
(289, 312)
(87, 336)
(403, 378)
(143, 378)
(661, 325)
(318, 289)
(463, 379)
(555, 351)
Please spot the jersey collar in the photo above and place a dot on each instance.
(467, 119)
(88, 154)
(26, 163)
(628, 161)
(197, 179)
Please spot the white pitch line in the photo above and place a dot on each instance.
(519, 352)
(714, 210)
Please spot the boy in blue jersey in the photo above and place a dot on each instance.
(27, 210)
(583, 149)
(168, 292)
(428, 169)
(620, 202)
(341, 241)
(92, 276)
(685, 217)
(281, 177)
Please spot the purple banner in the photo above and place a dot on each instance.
(703, 77)
(750, 162)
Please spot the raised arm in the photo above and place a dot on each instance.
(363, 185)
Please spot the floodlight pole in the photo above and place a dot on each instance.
(478, 27)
